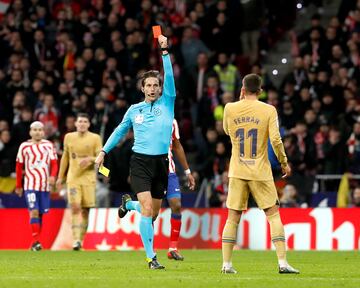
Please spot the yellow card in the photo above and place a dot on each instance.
(104, 171)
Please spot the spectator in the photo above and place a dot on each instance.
(297, 75)
(335, 156)
(321, 136)
(7, 154)
(354, 149)
(197, 77)
(252, 18)
(49, 116)
(20, 131)
(208, 102)
(228, 74)
(191, 47)
(219, 194)
(355, 198)
(288, 197)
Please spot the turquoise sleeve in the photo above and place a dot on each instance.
(169, 83)
(120, 131)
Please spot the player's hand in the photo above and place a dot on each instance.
(99, 160)
(52, 180)
(191, 181)
(85, 162)
(163, 41)
(59, 184)
(242, 93)
(19, 191)
(286, 170)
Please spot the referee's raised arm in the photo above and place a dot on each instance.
(169, 82)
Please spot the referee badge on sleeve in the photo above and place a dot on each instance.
(139, 119)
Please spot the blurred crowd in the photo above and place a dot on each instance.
(63, 57)
(318, 103)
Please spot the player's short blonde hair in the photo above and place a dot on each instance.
(36, 124)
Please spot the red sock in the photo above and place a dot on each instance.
(35, 228)
(175, 231)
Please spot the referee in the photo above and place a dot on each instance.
(151, 121)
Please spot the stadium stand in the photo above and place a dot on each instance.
(63, 57)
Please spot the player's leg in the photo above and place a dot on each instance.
(143, 169)
(88, 198)
(278, 238)
(84, 222)
(158, 189)
(173, 196)
(127, 205)
(156, 205)
(74, 199)
(229, 240)
(236, 202)
(265, 195)
(32, 202)
(146, 227)
(44, 205)
(35, 230)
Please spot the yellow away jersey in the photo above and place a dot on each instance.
(76, 148)
(250, 123)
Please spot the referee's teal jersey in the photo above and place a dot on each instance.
(151, 122)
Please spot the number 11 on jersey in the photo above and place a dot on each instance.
(252, 134)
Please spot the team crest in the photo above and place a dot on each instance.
(139, 119)
(73, 155)
(157, 111)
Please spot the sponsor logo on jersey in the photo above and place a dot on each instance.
(157, 111)
(139, 119)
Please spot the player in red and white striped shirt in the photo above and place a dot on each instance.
(173, 194)
(40, 160)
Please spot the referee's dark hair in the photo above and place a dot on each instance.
(252, 83)
(150, 74)
(83, 115)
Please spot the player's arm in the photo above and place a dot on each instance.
(64, 163)
(118, 134)
(98, 148)
(277, 144)
(90, 160)
(54, 166)
(180, 155)
(225, 125)
(19, 171)
(169, 82)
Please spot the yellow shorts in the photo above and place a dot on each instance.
(84, 195)
(264, 193)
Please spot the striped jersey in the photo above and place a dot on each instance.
(36, 157)
(174, 135)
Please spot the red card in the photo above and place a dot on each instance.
(156, 31)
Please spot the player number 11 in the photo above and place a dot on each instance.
(252, 134)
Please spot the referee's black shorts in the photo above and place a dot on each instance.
(149, 173)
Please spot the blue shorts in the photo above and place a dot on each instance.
(38, 200)
(173, 189)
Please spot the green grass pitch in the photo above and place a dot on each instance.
(201, 268)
